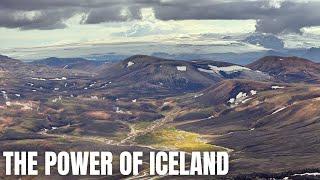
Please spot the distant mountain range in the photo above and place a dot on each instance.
(236, 58)
(272, 45)
(69, 63)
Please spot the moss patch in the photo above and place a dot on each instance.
(173, 139)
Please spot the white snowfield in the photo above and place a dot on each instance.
(242, 97)
(308, 174)
(232, 100)
(227, 69)
(277, 87)
(278, 110)
(239, 98)
(38, 79)
(205, 70)
(182, 68)
(253, 92)
(130, 63)
(231, 69)
(198, 95)
(59, 79)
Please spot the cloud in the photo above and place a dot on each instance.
(52, 14)
(148, 25)
(33, 19)
(268, 41)
(275, 3)
(272, 16)
(291, 17)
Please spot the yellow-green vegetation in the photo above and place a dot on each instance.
(173, 139)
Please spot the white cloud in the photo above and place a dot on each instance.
(275, 3)
(30, 15)
(148, 25)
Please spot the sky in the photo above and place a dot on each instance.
(36, 29)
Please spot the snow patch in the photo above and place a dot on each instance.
(165, 103)
(182, 68)
(279, 110)
(38, 79)
(277, 87)
(246, 100)
(130, 63)
(57, 99)
(198, 95)
(205, 70)
(241, 97)
(253, 92)
(59, 79)
(227, 69)
(308, 174)
(91, 85)
(232, 100)
(94, 97)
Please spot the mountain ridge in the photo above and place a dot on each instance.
(288, 69)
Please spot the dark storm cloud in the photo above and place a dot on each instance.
(51, 19)
(290, 16)
(51, 14)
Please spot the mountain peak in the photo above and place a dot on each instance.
(288, 69)
(276, 61)
(143, 58)
(4, 58)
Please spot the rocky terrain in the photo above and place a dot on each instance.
(264, 114)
